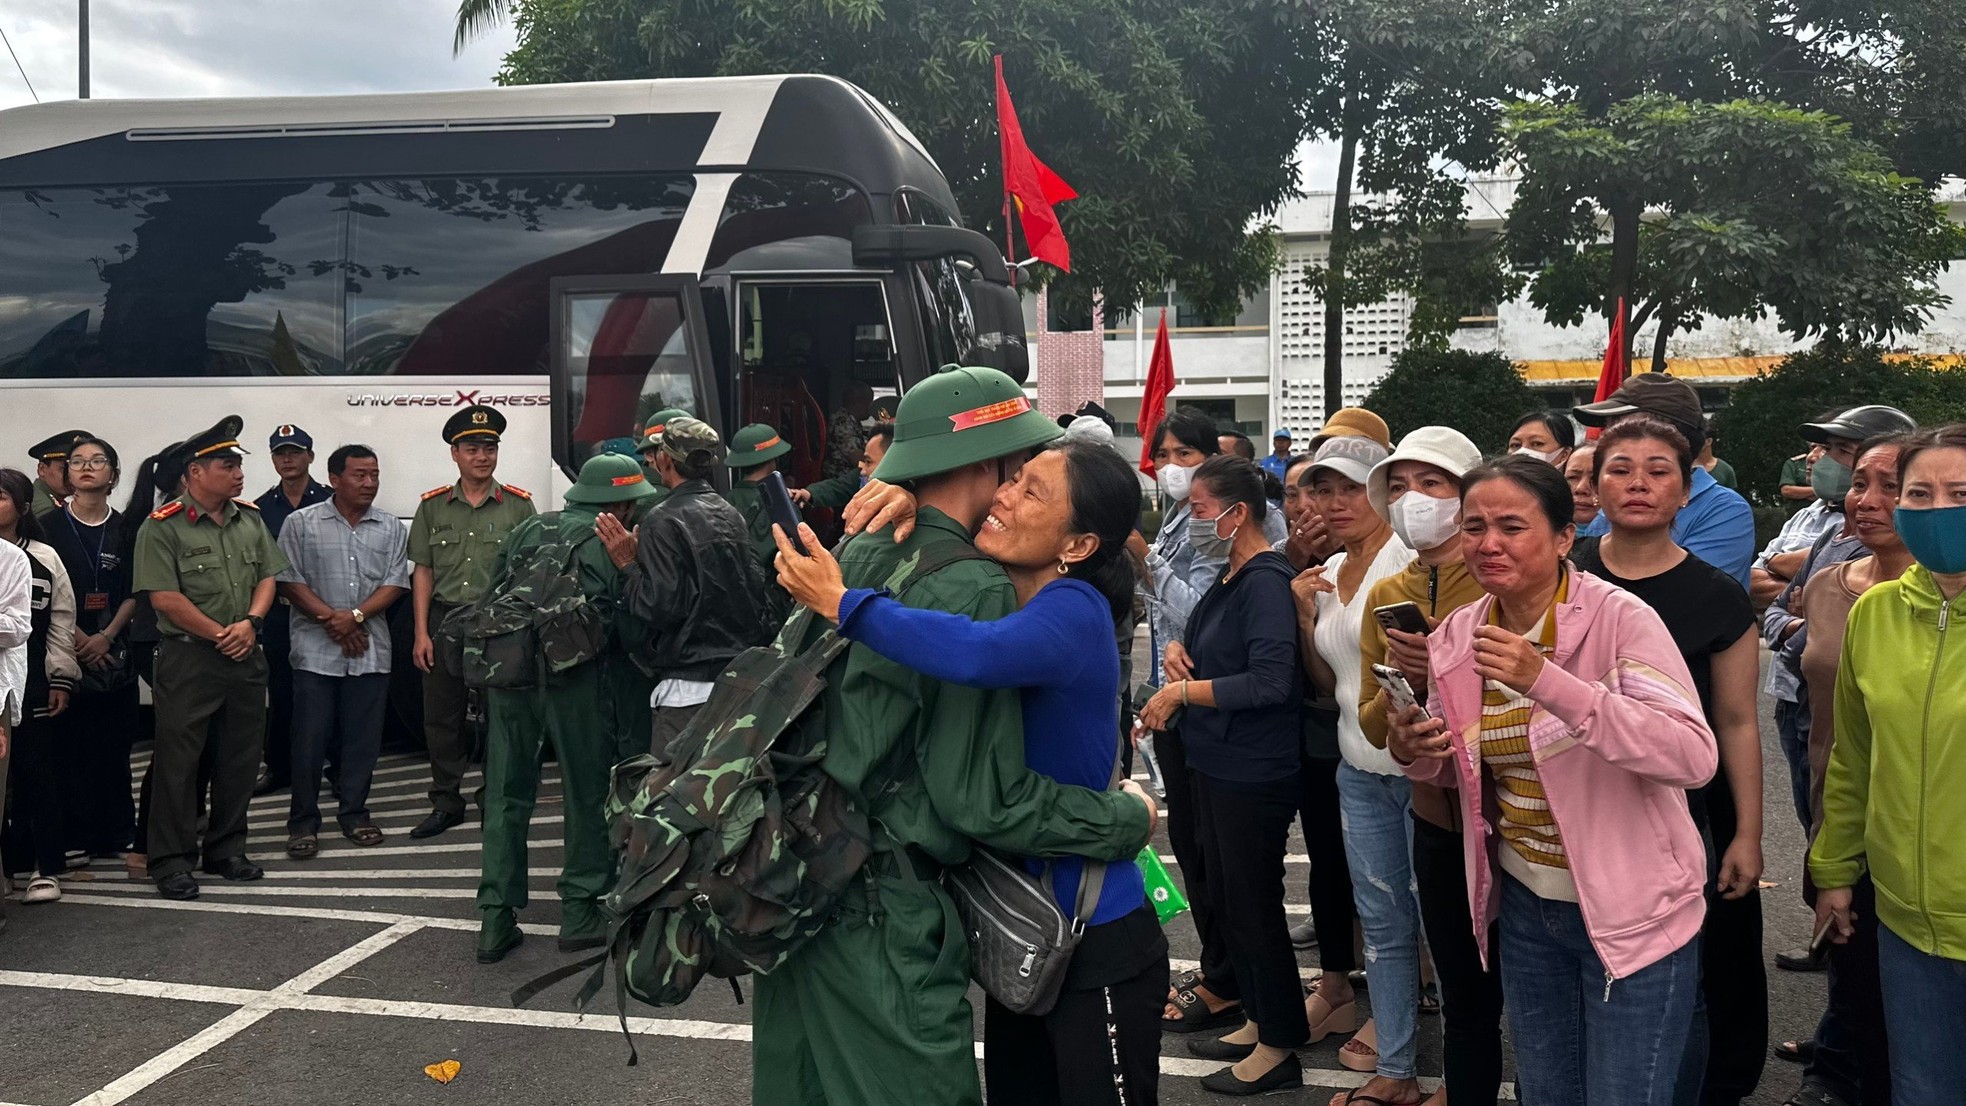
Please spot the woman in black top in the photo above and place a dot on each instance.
(1240, 730)
(100, 724)
(1643, 470)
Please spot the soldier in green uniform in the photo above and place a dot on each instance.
(754, 454)
(51, 469)
(652, 441)
(454, 542)
(872, 1010)
(208, 563)
(838, 491)
(577, 711)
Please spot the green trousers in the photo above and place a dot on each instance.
(577, 714)
(873, 1011)
(201, 697)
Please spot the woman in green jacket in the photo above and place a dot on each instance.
(1892, 800)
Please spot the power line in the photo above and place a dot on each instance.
(18, 65)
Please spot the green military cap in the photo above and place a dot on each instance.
(222, 440)
(652, 430)
(756, 444)
(958, 417)
(475, 423)
(609, 478)
(57, 447)
(685, 436)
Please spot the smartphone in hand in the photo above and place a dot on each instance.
(781, 510)
(1404, 617)
(1399, 691)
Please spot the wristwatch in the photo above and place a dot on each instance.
(258, 623)
(358, 616)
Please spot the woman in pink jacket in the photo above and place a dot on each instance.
(1565, 717)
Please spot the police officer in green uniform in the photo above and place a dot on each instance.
(754, 454)
(51, 469)
(454, 542)
(872, 1010)
(576, 711)
(208, 563)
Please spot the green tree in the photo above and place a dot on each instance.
(1177, 120)
(1480, 394)
(1751, 207)
(1761, 424)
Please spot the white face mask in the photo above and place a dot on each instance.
(1547, 458)
(1174, 480)
(1423, 522)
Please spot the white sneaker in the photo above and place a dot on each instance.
(42, 889)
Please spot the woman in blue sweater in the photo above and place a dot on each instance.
(1059, 529)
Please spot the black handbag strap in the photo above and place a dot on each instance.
(1092, 879)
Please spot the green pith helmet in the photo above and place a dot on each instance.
(609, 478)
(756, 444)
(652, 430)
(959, 416)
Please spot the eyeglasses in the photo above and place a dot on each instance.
(88, 462)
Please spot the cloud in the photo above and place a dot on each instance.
(173, 48)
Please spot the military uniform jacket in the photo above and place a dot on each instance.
(938, 764)
(215, 561)
(45, 499)
(750, 503)
(459, 543)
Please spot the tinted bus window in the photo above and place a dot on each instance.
(948, 324)
(439, 276)
(766, 209)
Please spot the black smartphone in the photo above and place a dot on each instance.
(1404, 617)
(781, 510)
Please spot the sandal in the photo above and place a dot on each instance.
(1361, 1053)
(41, 889)
(364, 835)
(303, 846)
(1795, 1052)
(1429, 999)
(136, 866)
(1196, 1017)
(1326, 1019)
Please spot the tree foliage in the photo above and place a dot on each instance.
(1760, 427)
(1480, 394)
(1176, 120)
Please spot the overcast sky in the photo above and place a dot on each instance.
(157, 48)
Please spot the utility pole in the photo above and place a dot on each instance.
(82, 66)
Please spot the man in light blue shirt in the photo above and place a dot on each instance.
(1716, 525)
(1278, 462)
(348, 563)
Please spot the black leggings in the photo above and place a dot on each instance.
(1470, 999)
(1097, 1047)
(38, 832)
(1244, 829)
(1182, 829)
(1333, 913)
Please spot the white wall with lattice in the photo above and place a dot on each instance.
(1374, 335)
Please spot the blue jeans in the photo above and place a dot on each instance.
(1379, 847)
(1925, 1015)
(1792, 726)
(1580, 1037)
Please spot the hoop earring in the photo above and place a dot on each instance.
(1063, 568)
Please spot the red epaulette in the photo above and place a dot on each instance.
(245, 503)
(435, 492)
(168, 509)
(518, 491)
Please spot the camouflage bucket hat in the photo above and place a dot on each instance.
(609, 478)
(958, 417)
(685, 436)
(756, 444)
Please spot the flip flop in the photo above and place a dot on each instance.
(1795, 1052)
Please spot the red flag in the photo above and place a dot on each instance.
(1612, 375)
(1153, 401)
(1031, 186)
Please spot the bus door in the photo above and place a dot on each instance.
(811, 354)
(625, 347)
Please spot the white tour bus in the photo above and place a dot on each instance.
(575, 255)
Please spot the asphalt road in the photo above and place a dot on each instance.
(339, 979)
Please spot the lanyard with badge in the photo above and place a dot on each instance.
(94, 599)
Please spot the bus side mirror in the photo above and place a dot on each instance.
(887, 246)
(999, 331)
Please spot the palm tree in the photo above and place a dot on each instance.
(475, 17)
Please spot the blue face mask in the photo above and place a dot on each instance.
(1936, 538)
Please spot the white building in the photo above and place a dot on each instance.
(1265, 367)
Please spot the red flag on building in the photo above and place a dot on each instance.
(1153, 401)
(1612, 375)
(1030, 186)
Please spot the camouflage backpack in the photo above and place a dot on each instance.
(736, 851)
(533, 621)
